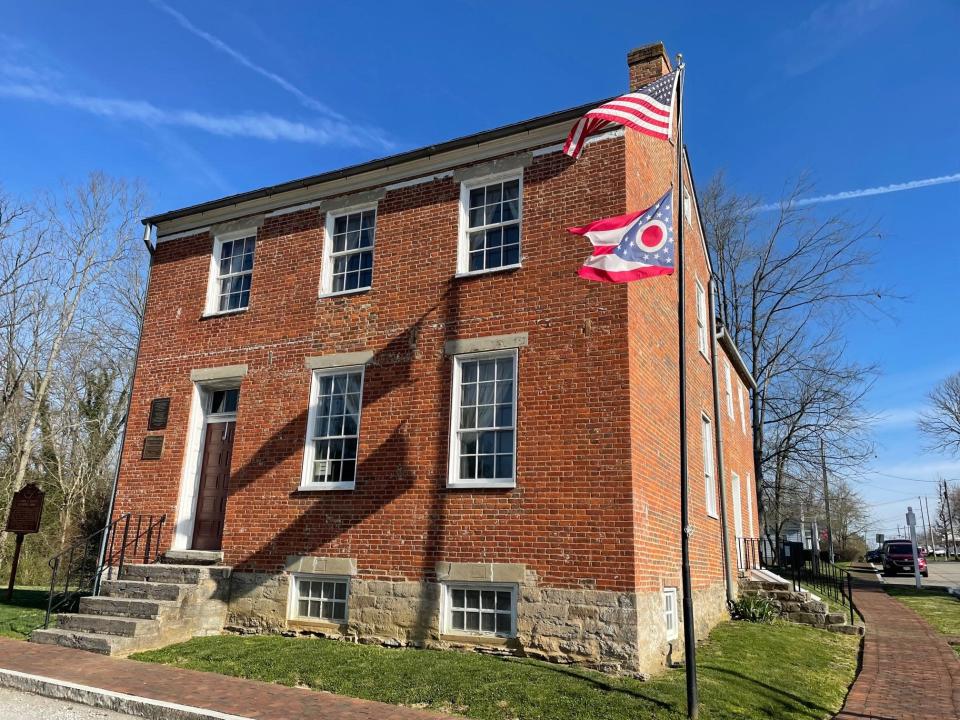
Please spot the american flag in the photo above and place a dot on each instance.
(631, 247)
(648, 110)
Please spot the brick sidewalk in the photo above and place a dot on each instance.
(909, 671)
(209, 691)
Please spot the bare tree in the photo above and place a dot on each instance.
(787, 281)
(940, 423)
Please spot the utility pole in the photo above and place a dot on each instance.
(933, 539)
(912, 528)
(826, 501)
(953, 535)
(923, 522)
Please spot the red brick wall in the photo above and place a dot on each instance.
(570, 515)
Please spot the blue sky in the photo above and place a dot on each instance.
(201, 100)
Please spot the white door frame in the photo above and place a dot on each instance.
(738, 518)
(200, 417)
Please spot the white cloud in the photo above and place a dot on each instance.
(242, 59)
(866, 192)
(261, 126)
(896, 417)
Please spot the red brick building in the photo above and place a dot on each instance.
(402, 416)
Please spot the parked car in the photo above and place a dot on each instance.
(898, 557)
(939, 550)
(873, 556)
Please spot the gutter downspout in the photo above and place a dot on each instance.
(718, 432)
(151, 249)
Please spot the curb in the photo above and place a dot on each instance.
(108, 699)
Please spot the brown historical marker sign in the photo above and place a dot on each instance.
(25, 510)
(159, 412)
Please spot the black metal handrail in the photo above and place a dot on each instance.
(805, 571)
(76, 571)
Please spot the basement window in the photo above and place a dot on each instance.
(480, 609)
(320, 598)
(670, 613)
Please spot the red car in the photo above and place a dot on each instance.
(898, 557)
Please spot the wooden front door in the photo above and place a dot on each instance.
(214, 483)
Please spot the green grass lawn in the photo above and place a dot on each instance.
(745, 671)
(23, 613)
(937, 607)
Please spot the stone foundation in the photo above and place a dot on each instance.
(616, 632)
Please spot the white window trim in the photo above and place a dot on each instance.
(750, 505)
(463, 244)
(709, 479)
(729, 391)
(446, 605)
(293, 596)
(210, 308)
(672, 633)
(703, 338)
(326, 264)
(306, 473)
(743, 416)
(453, 466)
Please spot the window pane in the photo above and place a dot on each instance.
(472, 621)
(503, 600)
(504, 466)
(511, 190)
(468, 467)
(457, 620)
(473, 599)
(487, 599)
(485, 467)
(303, 608)
(339, 611)
(458, 596)
(341, 591)
(468, 371)
(494, 193)
(504, 623)
(488, 623)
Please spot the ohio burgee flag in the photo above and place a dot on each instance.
(633, 246)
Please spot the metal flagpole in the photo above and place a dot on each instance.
(689, 636)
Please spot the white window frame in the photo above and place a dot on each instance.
(687, 206)
(743, 415)
(702, 338)
(212, 302)
(293, 605)
(446, 608)
(671, 613)
(309, 450)
(750, 505)
(453, 467)
(326, 269)
(709, 463)
(729, 390)
(463, 240)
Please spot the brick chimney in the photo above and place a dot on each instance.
(646, 64)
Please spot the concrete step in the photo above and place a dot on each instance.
(192, 557)
(847, 629)
(91, 642)
(142, 590)
(127, 607)
(107, 625)
(179, 574)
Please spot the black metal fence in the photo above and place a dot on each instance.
(77, 571)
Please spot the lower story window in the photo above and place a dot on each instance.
(670, 612)
(320, 598)
(481, 610)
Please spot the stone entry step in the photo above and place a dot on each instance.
(148, 606)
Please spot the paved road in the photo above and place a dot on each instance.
(26, 706)
(942, 574)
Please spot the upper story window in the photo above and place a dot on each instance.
(710, 484)
(333, 429)
(490, 225)
(231, 272)
(729, 392)
(702, 342)
(483, 420)
(348, 251)
(743, 415)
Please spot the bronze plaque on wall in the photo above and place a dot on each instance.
(152, 447)
(159, 410)
(25, 510)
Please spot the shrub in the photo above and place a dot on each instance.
(754, 608)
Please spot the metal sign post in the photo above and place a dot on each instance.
(912, 525)
(24, 518)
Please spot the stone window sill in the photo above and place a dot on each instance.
(481, 640)
(315, 625)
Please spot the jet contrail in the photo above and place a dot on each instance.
(866, 192)
(220, 45)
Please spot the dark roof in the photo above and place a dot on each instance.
(456, 144)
